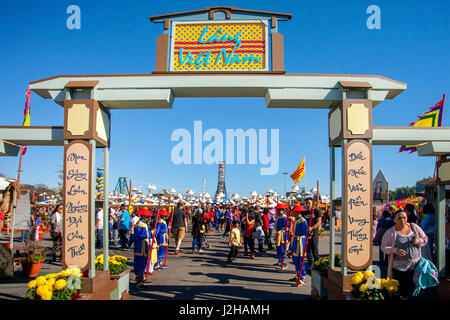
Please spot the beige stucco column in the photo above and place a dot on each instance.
(86, 127)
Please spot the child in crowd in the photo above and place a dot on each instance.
(235, 242)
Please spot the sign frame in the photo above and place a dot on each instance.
(89, 212)
(369, 205)
(266, 46)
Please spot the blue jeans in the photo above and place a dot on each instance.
(194, 242)
(123, 233)
(24, 235)
(249, 242)
(99, 238)
(260, 245)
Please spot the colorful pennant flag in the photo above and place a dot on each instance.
(26, 115)
(298, 174)
(431, 118)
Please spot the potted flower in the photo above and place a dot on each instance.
(33, 259)
(118, 272)
(319, 270)
(365, 286)
(64, 285)
(322, 233)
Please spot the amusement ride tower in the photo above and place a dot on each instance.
(221, 180)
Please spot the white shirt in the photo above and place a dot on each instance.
(133, 222)
(57, 221)
(100, 216)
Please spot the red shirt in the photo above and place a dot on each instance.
(248, 231)
(265, 220)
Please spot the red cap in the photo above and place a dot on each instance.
(163, 213)
(298, 208)
(281, 206)
(145, 212)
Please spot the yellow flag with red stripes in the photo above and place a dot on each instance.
(298, 174)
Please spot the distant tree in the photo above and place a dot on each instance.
(60, 182)
(405, 191)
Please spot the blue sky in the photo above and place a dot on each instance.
(116, 37)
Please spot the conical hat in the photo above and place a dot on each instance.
(281, 206)
(163, 213)
(298, 208)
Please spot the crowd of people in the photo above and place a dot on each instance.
(404, 236)
(258, 229)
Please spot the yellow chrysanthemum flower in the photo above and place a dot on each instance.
(40, 291)
(391, 288)
(73, 271)
(363, 287)
(60, 284)
(50, 275)
(394, 282)
(51, 282)
(357, 280)
(66, 273)
(359, 274)
(368, 274)
(47, 295)
(31, 284)
(119, 258)
(41, 281)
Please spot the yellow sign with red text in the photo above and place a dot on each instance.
(219, 46)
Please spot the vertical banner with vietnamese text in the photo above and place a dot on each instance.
(77, 204)
(358, 204)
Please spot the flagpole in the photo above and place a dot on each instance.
(129, 201)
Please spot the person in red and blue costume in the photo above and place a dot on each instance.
(297, 245)
(280, 229)
(162, 238)
(141, 238)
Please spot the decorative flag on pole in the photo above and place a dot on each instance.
(26, 115)
(298, 174)
(431, 118)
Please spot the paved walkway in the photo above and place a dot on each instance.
(199, 276)
(208, 276)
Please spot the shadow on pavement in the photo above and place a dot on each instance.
(180, 292)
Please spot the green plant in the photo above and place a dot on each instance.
(323, 263)
(365, 286)
(34, 252)
(65, 285)
(117, 264)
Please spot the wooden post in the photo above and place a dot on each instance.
(105, 208)
(129, 199)
(440, 241)
(93, 143)
(13, 211)
(332, 213)
(318, 197)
